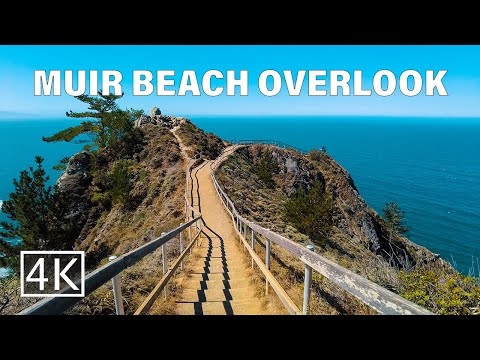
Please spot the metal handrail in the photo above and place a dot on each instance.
(376, 297)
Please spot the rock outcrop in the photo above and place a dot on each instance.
(76, 180)
(154, 112)
(157, 119)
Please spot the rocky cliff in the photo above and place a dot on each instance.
(358, 239)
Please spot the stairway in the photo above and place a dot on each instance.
(217, 283)
(216, 280)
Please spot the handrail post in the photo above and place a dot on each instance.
(267, 260)
(117, 291)
(307, 284)
(164, 263)
(197, 231)
(164, 257)
(253, 244)
(186, 207)
(244, 235)
(239, 229)
(181, 247)
(190, 234)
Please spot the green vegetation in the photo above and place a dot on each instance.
(125, 191)
(316, 155)
(63, 164)
(39, 214)
(38, 217)
(114, 186)
(443, 292)
(310, 212)
(265, 168)
(113, 138)
(395, 220)
(446, 294)
(111, 128)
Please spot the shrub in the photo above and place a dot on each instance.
(315, 155)
(120, 178)
(265, 168)
(395, 219)
(310, 212)
(113, 187)
(39, 216)
(102, 199)
(446, 294)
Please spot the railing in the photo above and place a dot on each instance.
(376, 297)
(191, 163)
(276, 143)
(112, 270)
(194, 233)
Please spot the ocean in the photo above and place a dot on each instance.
(429, 166)
(20, 142)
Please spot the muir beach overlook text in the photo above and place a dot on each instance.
(215, 83)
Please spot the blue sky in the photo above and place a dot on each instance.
(17, 64)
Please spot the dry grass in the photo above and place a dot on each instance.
(270, 302)
(160, 184)
(137, 283)
(326, 298)
(198, 141)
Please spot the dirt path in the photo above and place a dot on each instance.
(183, 148)
(217, 279)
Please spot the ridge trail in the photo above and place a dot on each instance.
(217, 279)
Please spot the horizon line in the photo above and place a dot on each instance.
(23, 116)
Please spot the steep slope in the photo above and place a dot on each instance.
(358, 239)
(154, 204)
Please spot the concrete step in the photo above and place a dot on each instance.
(211, 261)
(217, 268)
(215, 284)
(205, 244)
(213, 253)
(214, 243)
(204, 270)
(217, 295)
(198, 276)
(245, 307)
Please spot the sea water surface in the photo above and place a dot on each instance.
(20, 142)
(429, 166)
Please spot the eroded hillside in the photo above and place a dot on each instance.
(357, 238)
(154, 203)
